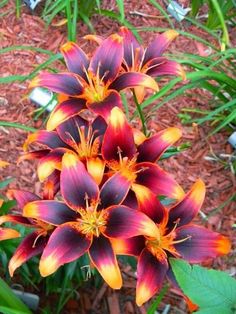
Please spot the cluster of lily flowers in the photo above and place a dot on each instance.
(101, 182)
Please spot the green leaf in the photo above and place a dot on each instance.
(4, 183)
(9, 301)
(213, 291)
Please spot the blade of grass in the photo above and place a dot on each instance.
(74, 20)
(163, 12)
(17, 126)
(69, 18)
(18, 7)
(120, 5)
(153, 308)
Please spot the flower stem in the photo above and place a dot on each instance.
(141, 115)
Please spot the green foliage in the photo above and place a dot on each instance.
(154, 306)
(9, 303)
(213, 291)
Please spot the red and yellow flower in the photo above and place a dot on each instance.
(178, 237)
(76, 135)
(96, 216)
(137, 162)
(93, 84)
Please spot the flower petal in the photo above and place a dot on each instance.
(107, 59)
(124, 222)
(66, 83)
(131, 200)
(200, 244)
(52, 212)
(68, 130)
(65, 245)
(159, 45)
(64, 111)
(77, 185)
(132, 246)
(104, 107)
(16, 219)
(149, 203)
(38, 154)
(95, 167)
(49, 163)
(153, 147)
(166, 68)
(118, 139)
(103, 257)
(114, 191)
(22, 197)
(158, 181)
(75, 58)
(184, 211)
(51, 185)
(99, 126)
(32, 245)
(48, 138)
(134, 79)
(7, 233)
(151, 274)
(131, 45)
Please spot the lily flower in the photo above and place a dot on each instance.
(94, 84)
(178, 237)
(96, 215)
(76, 135)
(150, 60)
(137, 162)
(34, 243)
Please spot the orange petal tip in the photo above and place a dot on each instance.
(67, 46)
(171, 34)
(69, 160)
(48, 265)
(171, 135)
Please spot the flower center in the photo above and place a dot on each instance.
(158, 247)
(96, 90)
(88, 147)
(125, 166)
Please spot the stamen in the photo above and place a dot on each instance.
(182, 240)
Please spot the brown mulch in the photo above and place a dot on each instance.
(186, 167)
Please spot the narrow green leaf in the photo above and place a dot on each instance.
(4, 183)
(120, 5)
(209, 289)
(17, 126)
(154, 306)
(163, 12)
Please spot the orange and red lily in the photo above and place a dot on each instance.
(96, 216)
(92, 84)
(178, 237)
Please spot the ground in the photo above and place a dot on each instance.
(30, 30)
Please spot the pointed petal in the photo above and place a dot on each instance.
(118, 138)
(64, 111)
(158, 181)
(131, 45)
(65, 83)
(96, 38)
(151, 274)
(50, 139)
(159, 45)
(7, 233)
(153, 147)
(139, 137)
(76, 184)
(185, 210)
(75, 58)
(131, 200)
(22, 197)
(107, 58)
(16, 219)
(95, 167)
(124, 222)
(33, 155)
(114, 191)
(166, 68)
(104, 107)
(149, 203)
(49, 163)
(52, 212)
(103, 257)
(200, 244)
(134, 79)
(68, 130)
(99, 126)
(51, 185)
(132, 246)
(32, 245)
(65, 245)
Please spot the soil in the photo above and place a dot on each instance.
(29, 29)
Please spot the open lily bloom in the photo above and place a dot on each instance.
(137, 162)
(93, 84)
(150, 60)
(75, 135)
(96, 216)
(34, 243)
(178, 237)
